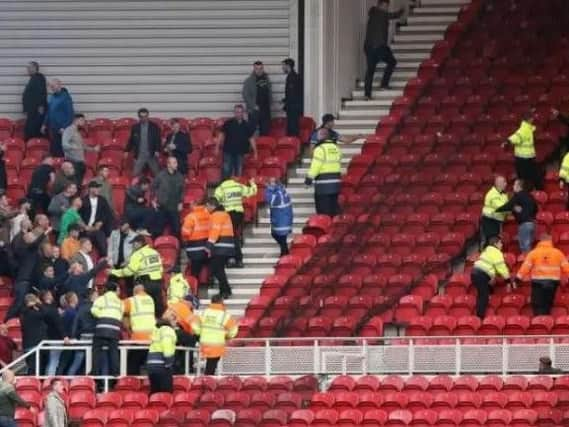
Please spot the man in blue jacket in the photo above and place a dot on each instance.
(280, 207)
(58, 117)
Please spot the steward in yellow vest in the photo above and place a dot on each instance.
(490, 264)
(523, 141)
(161, 355)
(230, 194)
(108, 312)
(491, 222)
(178, 288)
(325, 172)
(214, 326)
(145, 265)
(140, 310)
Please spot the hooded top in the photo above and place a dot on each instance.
(59, 110)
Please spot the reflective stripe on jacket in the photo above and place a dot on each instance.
(145, 261)
(326, 168)
(523, 141)
(221, 240)
(564, 170)
(230, 194)
(545, 262)
(178, 288)
(108, 310)
(142, 320)
(491, 262)
(492, 201)
(214, 327)
(162, 348)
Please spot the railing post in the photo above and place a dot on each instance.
(187, 362)
(123, 360)
(38, 359)
(316, 358)
(268, 363)
(88, 360)
(458, 356)
(365, 355)
(505, 352)
(552, 351)
(411, 356)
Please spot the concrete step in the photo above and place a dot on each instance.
(382, 93)
(416, 38)
(444, 3)
(423, 29)
(363, 113)
(400, 47)
(264, 229)
(299, 220)
(430, 10)
(383, 103)
(247, 282)
(260, 251)
(358, 124)
(249, 272)
(238, 293)
(414, 19)
(400, 77)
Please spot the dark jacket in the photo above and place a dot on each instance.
(35, 94)
(79, 283)
(3, 175)
(61, 180)
(528, 204)
(9, 399)
(68, 318)
(169, 189)
(132, 194)
(377, 27)
(59, 110)
(293, 91)
(183, 147)
(154, 139)
(104, 213)
(34, 326)
(565, 120)
(27, 257)
(54, 323)
(84, 322)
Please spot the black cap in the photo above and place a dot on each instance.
(289, 62)
(327, 118)
(139, 238)
(95, 184)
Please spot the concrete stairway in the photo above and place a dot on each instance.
(411, 46)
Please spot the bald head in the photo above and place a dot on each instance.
(500, 183)
(545, 237)
(138, 289)
(8, 377)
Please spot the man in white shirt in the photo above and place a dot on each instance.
(24, 207)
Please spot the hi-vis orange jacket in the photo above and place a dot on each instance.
(544, 263)
(195, 230)
(220, 240)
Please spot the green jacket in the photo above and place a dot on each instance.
(70, 217)
(9, 399)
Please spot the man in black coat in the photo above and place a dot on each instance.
(34, 328)
(144, 141)
(34, 100)
(293, 98)
(178, 144)
(98, 216)
(136, 209)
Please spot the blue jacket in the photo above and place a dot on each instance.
(281, 209)
(59, 110)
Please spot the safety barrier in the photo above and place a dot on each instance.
(357, 356)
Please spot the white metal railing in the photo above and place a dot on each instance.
(358, 356)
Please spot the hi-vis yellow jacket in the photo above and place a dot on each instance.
(214, 327)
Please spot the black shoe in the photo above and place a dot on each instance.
(226, 294)
(238, 264)
(386, 87)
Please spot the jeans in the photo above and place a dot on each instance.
(78, 359)
(7, 422)
(374, 56)
(526, 234)
(54, 356)
(106, 357)
(232, 165)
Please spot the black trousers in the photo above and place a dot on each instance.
(217, 267)
(237, 222)
(32, 127)
(481, 281)
(20, 290)
(39, 202)
(265, 120)
(293, 114)
(80, 169)
(135, 360)
(106, 348)
(327, 204)
(528, 170)
(489, 227)
(281, 240)
(197, 263)
(211, 365)
(140, 217)
(161, 381)
(375, 56)
(154, 289)
(184, 340)
(55, 147)
(165, 217)
(542, 296)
